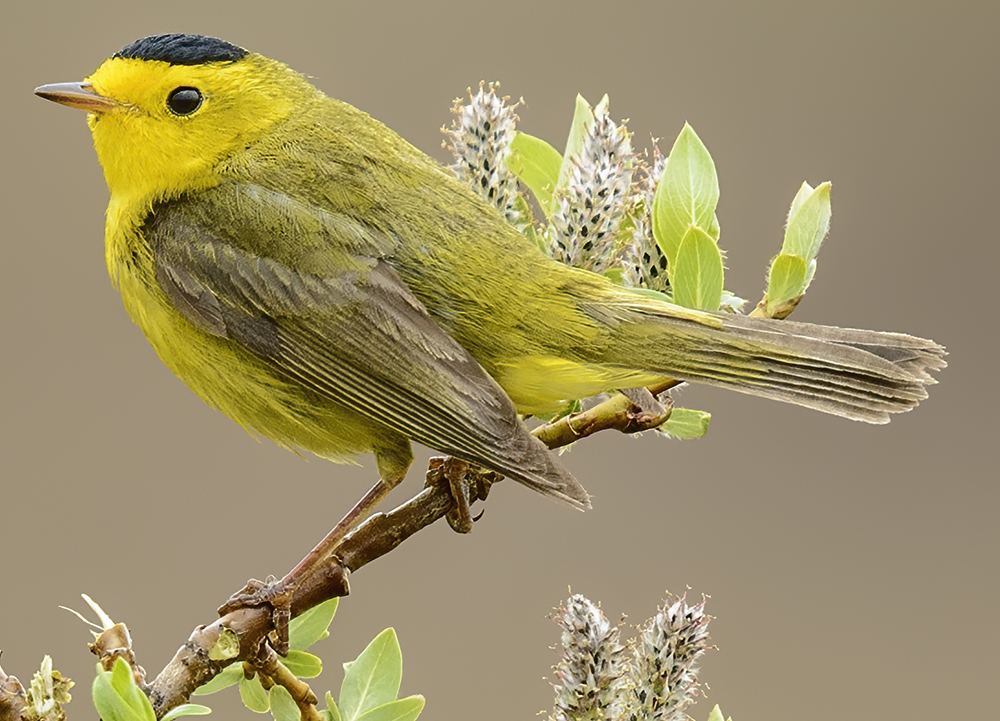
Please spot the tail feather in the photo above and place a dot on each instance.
(858, 374)
(526, 459)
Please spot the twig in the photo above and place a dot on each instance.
(116, 642)
(191, 666)
(273, 672)
(12, 697)
(620, 412)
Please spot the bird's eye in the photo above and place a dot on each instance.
(184, 101)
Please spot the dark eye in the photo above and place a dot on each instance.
(184, 101)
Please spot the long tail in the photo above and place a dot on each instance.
(858, 374)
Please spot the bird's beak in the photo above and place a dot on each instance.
(76, 95)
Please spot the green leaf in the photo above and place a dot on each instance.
(687, 194)
(686, 424)
(808, 222)
(187, 709)
(283, 706)
(253, 695)
(651, 293)
(116, 696)
(373, 678)
(229, 676)
(302, 664)
(805, 190)
(332, 712)
(786, 280)
(537, 165)
(311, 626)
(716, 714)
(405, 709)
(583, 119)
(697, 279)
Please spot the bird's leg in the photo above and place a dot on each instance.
(460, 517)
(466, 483)
(278, 594)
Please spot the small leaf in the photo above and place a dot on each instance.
(373, 678)
(405, 709)
(805, 190)
(786, 280)
(229, 676)
(311, 626)
(686, 424)
(537, 165)
(697, 279)
(116, 696)
(809, 223)
(651, 293)
(254, 696)
(716, 714)
(227, 646)
(687, 194)
(283, 706)
(188, 709)
(583, 119)
(303, 664)
(333, 713)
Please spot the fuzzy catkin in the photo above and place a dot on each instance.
(595, 198)
(593, 666)
(480, 138)
(663, 675)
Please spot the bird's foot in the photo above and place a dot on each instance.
(467, 484)
(269, 592)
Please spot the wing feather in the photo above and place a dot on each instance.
(356, 336)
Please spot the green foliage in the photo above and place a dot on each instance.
(303, 664)
(686, 424)
(252, 693)
(303, 631)
(370, 686)
(716, 714)
(312, 626)
(283, 707)
(793, 269)
(669, 214)
(686, 195)
(373, 679)
(786, 280)
(537, 165)
(698, 275)
(117, 697)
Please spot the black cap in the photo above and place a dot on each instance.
(180, 49)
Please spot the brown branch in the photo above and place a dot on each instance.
(191, 666)
(13, 700)
(116, 642)
(620, 412)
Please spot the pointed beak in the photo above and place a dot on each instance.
(76, 95)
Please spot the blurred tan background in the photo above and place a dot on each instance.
(853, 570)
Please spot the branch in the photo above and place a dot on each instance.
(629, 413)
(12, 697)
(191, 666)
(271, 671)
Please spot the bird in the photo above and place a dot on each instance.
(324, 283)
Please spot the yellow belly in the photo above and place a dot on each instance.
(226, 376)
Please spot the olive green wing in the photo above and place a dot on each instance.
(350, 330)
